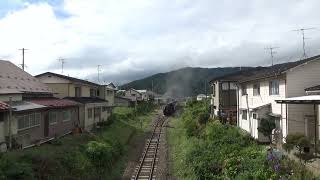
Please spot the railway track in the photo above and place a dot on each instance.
(147, 167)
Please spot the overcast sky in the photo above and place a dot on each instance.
(131, 39)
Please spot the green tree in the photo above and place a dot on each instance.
(266, 127)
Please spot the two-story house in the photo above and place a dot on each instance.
(30, 121)
(93, 108)
(259, 92)
(225, 96)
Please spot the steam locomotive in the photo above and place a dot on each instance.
(169, 108)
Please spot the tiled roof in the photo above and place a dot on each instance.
(15, 80)
(238, 75)
(68, 78)
(278, 69)
(54, 102)
(86, 100)
(314, 88)
(3, 106)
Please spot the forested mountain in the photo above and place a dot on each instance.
(188, 81)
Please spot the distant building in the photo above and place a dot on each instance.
(201, 97)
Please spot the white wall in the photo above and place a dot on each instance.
(250, 101)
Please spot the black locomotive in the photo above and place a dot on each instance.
(169, 109)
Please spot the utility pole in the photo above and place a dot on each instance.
(23, 50)
(272, 53)
(10, 119)
(62, 61)
(99, 73)
(302, 30)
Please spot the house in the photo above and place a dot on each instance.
(92, 97)
(44, 118)
(225, 97)
(108, 92)
(122, 101)
(4, 109)
(146, 95)
(134, 93)
(92, 111)
(201, 97)
(28, 123)
(258, 94)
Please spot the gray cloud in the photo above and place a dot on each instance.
(132, 40)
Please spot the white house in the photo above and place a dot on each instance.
(258, 92)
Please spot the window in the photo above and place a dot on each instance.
(93, 93)
(66, 116)
(225, 86)
(244, 114)
(104, 108)
(98, 93)
(28, 121)
(233, 86)
(53, 119)
(244, 89)
(256, 89)
(274, 87)
(90, 113)
(77, 91)
(254, 116)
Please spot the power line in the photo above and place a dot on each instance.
(62, 61)
(302, 30)
(272, 52)
(23, 50)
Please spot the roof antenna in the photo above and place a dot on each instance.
(302, 30)
(272, 53)
(63, 61)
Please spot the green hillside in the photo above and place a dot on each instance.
(182, 82)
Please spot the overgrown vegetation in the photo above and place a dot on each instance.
(82, 156)
(202, 148)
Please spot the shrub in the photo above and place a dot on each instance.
(266, 127)
(100, 154)
(12, 170)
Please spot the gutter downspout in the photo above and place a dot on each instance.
(238, 106)
(248, 115)
(315, 129)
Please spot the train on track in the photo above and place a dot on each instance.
(170, 108)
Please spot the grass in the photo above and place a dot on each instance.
(178, 147)
(50, 158)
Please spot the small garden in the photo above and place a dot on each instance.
(202, 148)
(101, 155)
